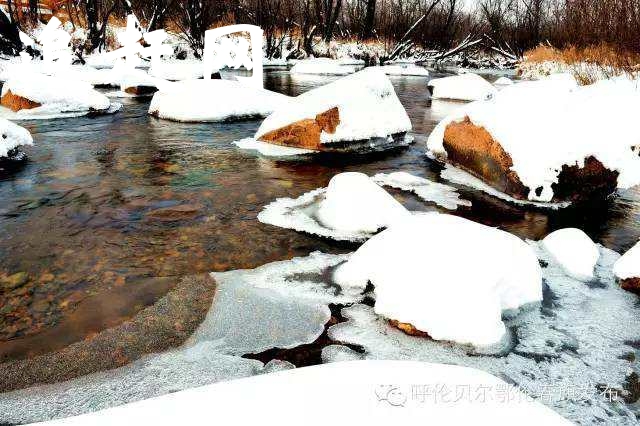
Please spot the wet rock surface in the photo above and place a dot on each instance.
(305, 133)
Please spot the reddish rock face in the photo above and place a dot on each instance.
(408, 329)
(305, 133)
(17, 103)
(632, 285)
(473, 149)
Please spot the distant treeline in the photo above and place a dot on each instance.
(435, 24)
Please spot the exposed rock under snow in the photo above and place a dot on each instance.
(12, 136)
(446, 276)
(321, 66)
(360, 107)
(464, 87)
(214, 100)
(574, 251)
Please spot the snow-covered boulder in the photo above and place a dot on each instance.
(352, 208)
(12, 137)
(177, 70)
(446, 276)
(464, 87)
(547, 141)
(574, 251)
(503, 81)
(322, 66)
(405, 69)
(362, 107)
(33, 94)
(213, 101)
(627, 269)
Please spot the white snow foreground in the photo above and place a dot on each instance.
(11, 137)
(464, 87)
(547, 124)
(58, 96)
(363, 396)
(367, 104)
(443, 195)
(447, 276)
(574, 251)
(214, 101)
(351, 208)
(321, 66)
(628, 266)
(405, 70)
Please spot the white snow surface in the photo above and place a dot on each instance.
(271, 150)
(574, 250)
(351, 208)
(56, 93)
(546, 124)
(405, 69)
(322, 66)
(177, 70)
(213, 101)
(443, 195)
(464, 87)
(447, 276)
(370, 392)
(503, 81)
(628, 266)
(367, 104)
(12, 136)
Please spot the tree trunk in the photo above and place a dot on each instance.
(369, 20)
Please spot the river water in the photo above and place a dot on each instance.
(110, 211)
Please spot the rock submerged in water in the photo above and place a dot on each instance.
(473, 149)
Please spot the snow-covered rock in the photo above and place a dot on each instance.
(405, 69)
(321, 66)
(443, 195)
(12, 136)
(574, 251)
(177, 70)
(214, 100)
(548, 140)
(351, 208)
(35, 95)
(359, 107)
(365, 396)
(464, 87)
(627, 269)
(503, 81)
(446, 276)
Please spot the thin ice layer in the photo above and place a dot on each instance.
(578, 339)
(443, 195)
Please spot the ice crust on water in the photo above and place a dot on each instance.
(12, 136)
(367, 103)
(443, 195)
(577, 122)
(574, 341)
(284, 304)
(574, 250)
(213, 101)
(455, 289)
(352, 208)
(628, 266)
(465, 87)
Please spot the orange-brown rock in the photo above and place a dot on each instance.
(632, 285)
(141, 90)
(473, 149)
(408, 329)
(17, 103)
(305, 133)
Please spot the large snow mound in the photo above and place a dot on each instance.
(12, 136)
(628, 266)
(376, 392)
(214, 100)
(574, 250)
(447, 276)
(547, 124)
(322, 66)
(367, 104)
(464, 87)
(351, 208)
(56, 93)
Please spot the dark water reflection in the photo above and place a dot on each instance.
(107, 203)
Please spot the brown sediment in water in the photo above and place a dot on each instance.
(16, 103)
(166, 324)
(473, 148)
(305, 133)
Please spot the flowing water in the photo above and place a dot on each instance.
(111, 211)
